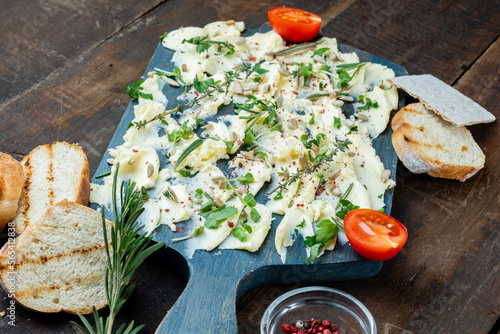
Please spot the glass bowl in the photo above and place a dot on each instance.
(343, 310)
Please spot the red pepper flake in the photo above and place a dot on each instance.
(240, 165)
(295, 93)
(230, 224)
(196, 93)
(300, 205)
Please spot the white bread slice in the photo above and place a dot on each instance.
(443, 99)
(60, 261)
(426, 143)
(11, 183)
(52, 173)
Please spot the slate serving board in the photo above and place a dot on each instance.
(218, 278)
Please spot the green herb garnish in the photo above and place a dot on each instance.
(134, 91)
(126, 251)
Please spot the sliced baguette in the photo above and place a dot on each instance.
(60, 261)
(11, 184)
(52, 173)
(426, 143)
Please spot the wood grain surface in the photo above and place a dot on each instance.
(64, 67)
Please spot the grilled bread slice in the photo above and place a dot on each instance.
(59, 262)
(11, 183)
(426, 143)
(52, 173)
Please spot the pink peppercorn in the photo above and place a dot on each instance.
(326, 323)
(285, 328)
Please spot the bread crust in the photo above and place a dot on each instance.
(25, 298)
(410, 152)
(11, 183)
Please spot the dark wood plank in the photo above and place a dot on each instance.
(438, 37)
(83, 101)
(41, 37)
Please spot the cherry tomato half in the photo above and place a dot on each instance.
(374, 234)
(293, 24)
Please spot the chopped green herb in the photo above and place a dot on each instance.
(193, 146)
(336, 122)
(184, 172)
(199, 230)
(316, 96)
(353, 129)
(311, 121)
(164, 35)
(369, 103)
(103, 174)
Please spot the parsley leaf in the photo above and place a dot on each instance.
(202, 86)
(257, 69)
(214, 218)
(345, 207)
(320, 52)
(240, 234)
(326, 232)
(134, 91)
(368, 104)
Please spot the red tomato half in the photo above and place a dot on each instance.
(373, 234)
(293, 24)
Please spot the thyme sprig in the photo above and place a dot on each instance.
(322, 158)
(203, 43)
(230, 77)
(127, 252)
(266, 108)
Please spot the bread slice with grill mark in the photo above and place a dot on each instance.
(60, 261)
(11, 182)
(426, 143)
(52, 173)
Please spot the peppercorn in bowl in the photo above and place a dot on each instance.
(317, 310)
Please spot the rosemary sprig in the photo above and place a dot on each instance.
(127, 252)
(298, 48)
(323, 157)
(230, 76)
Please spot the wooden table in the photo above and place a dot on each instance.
(64, 66)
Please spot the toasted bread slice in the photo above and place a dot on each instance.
(59, 262)
(11, 183)
(443, 99)
(426, 143)
(52, 173)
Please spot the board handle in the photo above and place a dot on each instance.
(207, 304)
